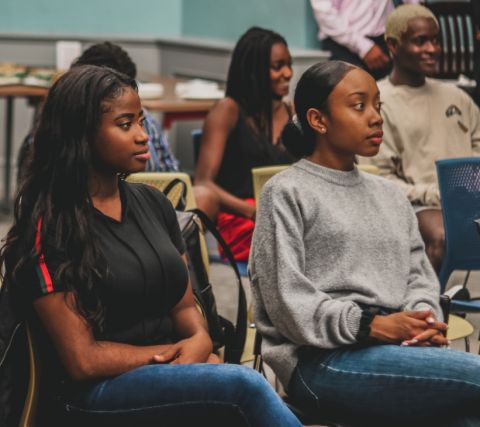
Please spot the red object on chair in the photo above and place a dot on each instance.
(237, 231)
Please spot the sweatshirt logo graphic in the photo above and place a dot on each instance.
(452, 110)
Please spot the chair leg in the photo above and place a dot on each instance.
(465, 281)
(467, 344)
(479, 345)
(277, 384)
(258, 363)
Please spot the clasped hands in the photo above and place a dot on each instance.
(410, 328)
(195, 349)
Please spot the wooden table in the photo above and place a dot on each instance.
(10, 92)
(173, 107)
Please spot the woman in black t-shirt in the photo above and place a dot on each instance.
(106, 290)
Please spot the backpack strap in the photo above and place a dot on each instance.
(234, 350)
(182, 201)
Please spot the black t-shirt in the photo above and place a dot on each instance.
(146, 276)
(245, 149)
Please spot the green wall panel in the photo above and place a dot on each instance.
(91, 17)
(228, 19)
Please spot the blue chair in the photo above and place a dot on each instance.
(459, 184)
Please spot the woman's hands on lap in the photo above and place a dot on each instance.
(195, 349)
(409, 328)
(196, 345)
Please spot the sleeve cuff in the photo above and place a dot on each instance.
(363, 46)
(353, 320)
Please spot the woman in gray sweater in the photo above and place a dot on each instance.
(345, 297)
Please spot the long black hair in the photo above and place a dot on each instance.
(248, 81)
(312, 91)
(54, 195)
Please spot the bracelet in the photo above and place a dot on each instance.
(366, 318)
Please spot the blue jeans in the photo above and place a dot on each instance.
(161, 394)
(389, 385)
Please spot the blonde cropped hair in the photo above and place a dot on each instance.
(397, 22)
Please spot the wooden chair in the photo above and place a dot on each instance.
(457, 34)
(160, 180)
(30, 406)
(262, 174)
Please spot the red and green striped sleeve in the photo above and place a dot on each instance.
(41, 269)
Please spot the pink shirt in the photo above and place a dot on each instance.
(349, 22)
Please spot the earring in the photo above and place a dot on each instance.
(323, 130)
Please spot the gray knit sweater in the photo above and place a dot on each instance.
(324, 241)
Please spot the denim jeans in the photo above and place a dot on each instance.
(389, 385)
(162, 395)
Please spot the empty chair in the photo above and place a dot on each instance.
(459, 184)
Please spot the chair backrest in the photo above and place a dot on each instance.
(262, 174)
(372, 169)
(161, 179)
(457, 34)
(30, 406)
(459, 184)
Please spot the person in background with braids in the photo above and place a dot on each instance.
(242, 132)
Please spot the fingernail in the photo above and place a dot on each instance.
(430, 320)
(404, 344)
(413, 341)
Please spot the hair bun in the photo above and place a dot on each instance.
(294, 140)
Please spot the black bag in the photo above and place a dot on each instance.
(193, 223)
(222, 331)
(182, 200)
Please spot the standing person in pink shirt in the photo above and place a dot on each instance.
(353, 31)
